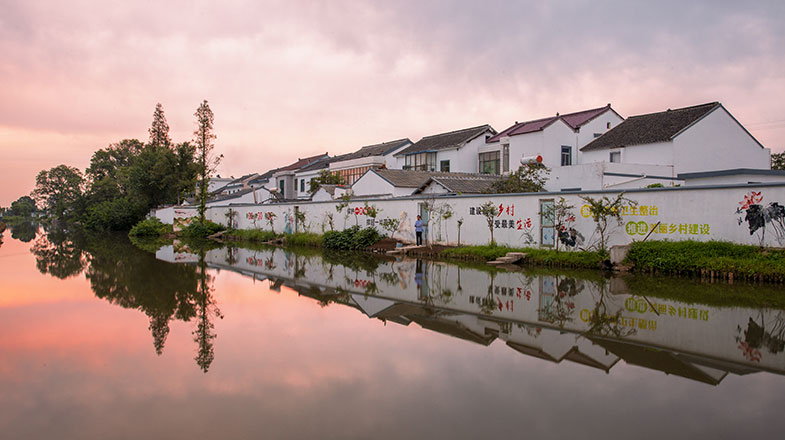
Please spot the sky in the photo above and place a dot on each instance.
(289, 79)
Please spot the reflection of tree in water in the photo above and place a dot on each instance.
(757, 336)
(59, 253)
(602, 323)
(132, 278)
(24, 231)
(205, 310)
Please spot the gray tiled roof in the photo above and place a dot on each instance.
(414, 179)
(651, 128)
(444, 141)
(463, 184)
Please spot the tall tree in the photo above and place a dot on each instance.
(203, 138)
(159, 131)
(59, 191)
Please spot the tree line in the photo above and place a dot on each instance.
(127, 179)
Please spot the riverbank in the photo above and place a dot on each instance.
(712, 260)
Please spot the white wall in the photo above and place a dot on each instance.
(718, 142)
(596, 125)
(683, 213)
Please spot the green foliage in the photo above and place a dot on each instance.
(489, 210)
(718, 256)
(325, 177)
(529, 178)
(59, 191)
(371, 210)
(655, 185)
(778, 161)
(22, 207)
(256, 235)
(352, 238)
(197, 229)
(151, 227)
(345, 199)
(304, 239)
(535, 256)
(605, 211)
(203, 138)
(390, 225)
(159, 131)
(119, 214)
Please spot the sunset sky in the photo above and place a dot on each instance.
(288, 79)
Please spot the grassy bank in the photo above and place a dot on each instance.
(534, 256)
(713, 259)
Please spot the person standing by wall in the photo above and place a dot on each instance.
(418, 230)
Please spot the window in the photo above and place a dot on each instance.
(608, 125)
(489, 162)
(615, 156)
(421, 162)
(566, 155)
(350, 175)
(444, 166)
(302, 185)
(280, 186)
(506, 158)
(547, 223)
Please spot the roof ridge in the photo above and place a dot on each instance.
(692, 107)
(456, 131)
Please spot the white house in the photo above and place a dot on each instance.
(557, 139)
(283, 179)
(350, 166)
(353, 165)
(695, 139)
(455, 151)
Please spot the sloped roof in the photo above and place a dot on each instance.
(651, 128)
(415, 179)
(375, 150)
(302, 162)
(574, 120)
(462, 184)
(444, 141)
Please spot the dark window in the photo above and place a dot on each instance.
(615, 156)
(489, 162)
(506, 158)
(444, 166)
(280, 186)
(302, 185)
(566, 155)
(421, 162)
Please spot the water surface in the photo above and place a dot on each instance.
(101, 339)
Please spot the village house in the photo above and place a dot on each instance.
(455, 151)
(350, 166)
(555, 139)
(697, 144)
(283, 180)
(400, 183)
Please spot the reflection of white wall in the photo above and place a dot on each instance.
(477, 300)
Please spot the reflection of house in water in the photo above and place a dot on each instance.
(550, 317)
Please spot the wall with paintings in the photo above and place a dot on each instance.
(745, 214)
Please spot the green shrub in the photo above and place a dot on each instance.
(306, 239)
(694, 256)
(352, 238)
(151, 227)
(201, 230)
(114, 215)
(258, 235)
(536, 256)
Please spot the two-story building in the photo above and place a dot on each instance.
(555, 139)
(454, 151)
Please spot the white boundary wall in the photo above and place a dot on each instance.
(685, 213)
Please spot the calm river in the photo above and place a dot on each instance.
(100, 339)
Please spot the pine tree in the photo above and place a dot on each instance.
(203, 138)
(159, 131)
